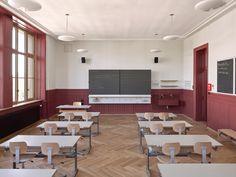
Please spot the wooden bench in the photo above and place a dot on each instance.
(228, 132)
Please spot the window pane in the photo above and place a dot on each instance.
(30, 44)
(30, 88)
(21, 66)
(13, 89)
(13, 65)
(21, 41)
(14, 38)
(21, 89)
(30, 67)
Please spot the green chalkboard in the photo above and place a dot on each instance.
(225, 76)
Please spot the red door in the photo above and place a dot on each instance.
(200, 83)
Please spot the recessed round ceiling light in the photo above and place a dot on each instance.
(207, 5)
(171, 37)
(28, 5)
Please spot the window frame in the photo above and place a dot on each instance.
(26, 55)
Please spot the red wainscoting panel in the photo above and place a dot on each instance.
(67, 96)
(187, 103)
(50, 102)
(221, 111)
(221, 108)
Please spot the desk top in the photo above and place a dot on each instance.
(184, 140)
(141, 115)
(27, 172)
(37, 140)
(166, 124)
(94, 114)
(64, 124)
(196, 170)
(73, 107)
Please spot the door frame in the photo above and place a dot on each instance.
(196, 104)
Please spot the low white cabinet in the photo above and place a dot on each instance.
(119, 99)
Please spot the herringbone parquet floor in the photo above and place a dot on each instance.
(116, 151)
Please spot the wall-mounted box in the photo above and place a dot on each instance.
(168, 99)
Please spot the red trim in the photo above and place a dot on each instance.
(5, 60)
(197, 103)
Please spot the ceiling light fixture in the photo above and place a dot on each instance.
(82, 50)
(208, 5)
(66, 37)
(171, 37)
(25, 5)
(155, 50)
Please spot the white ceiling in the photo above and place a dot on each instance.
(120, 19)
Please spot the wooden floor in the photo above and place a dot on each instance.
(116, 151)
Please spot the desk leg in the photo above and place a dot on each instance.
(141, 141)
(148, 168)
(75, 161)
(90, 138)
(97, 124)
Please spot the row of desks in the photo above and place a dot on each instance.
(67, 144)
(186, 141)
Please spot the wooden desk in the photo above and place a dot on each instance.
(63, 125)
(184, 140)
(140, 116)
(197, 170)
(80, 114)
(166, 125)
(27, 172)
(35, 141)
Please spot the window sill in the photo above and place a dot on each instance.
(20, 106)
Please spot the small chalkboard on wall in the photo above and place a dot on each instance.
(225, 76)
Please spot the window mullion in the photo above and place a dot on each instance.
(17, 89)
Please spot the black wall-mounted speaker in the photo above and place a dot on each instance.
(155, 59)
(83, 60)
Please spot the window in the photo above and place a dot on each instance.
(23, 65)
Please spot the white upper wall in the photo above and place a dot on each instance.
(118, 54)
(221, 37)
(51, 45)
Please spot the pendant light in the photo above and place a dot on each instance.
(154, 50)
(171, 36)
(25, 5)
(66, 37)
(82, 50)
(208, 5)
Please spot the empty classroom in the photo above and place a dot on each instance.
(117, 88)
